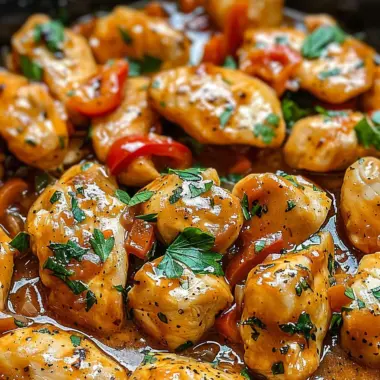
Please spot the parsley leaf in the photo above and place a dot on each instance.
(146, 65)
(192, 249)
(148, 217)
(244, 372)
(176, 195)
(315, 43)
(367, 134)
(51, 33)
(78, 213)
(265, 132)
(19, 323)
(329, 73)
(125, 36)
(75, 340)
(245, 207)
(64, 252)
(376, 293)
(140, 197)
(290, 178)
(225, 116)
(102, 246)
(196, 191)
(260, 245)
(90, 300)
(32, 70)
(278, 368)
(21, 242)
(336, 322)
(122, 196)
(55, 197)
(290, 205)
(349, 293)
(293, 112)
(303, 326)
(149, 359)
(231, 178)
(230, 63)
(191, 174)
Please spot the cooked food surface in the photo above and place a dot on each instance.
(325, 143)
(46, 352)
(170, 367)
(219, 106)
(196, 178)
(177, 311)
(286, 312)
(360, 201)
(360, 317)
(77, 235)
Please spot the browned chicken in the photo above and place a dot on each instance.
(177, 311)
(46, 352)
(359, 206)
(76, 233)
(260, 12)
(371, 99)
(133, 117)
(127, 32)
(32, 123)
(282, 203)
(174, 367)
(6, 267)
(220, 106)
(360, 332)
(286, 312)
(324, 143)
(198, 201)
(63, 66)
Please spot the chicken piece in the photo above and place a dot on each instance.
(127, 32)
(261, 13)
(371, 99)
(215, 105)
(315, 21)
(172, 367)
(132, 117)
(64, 69)
(32, 123)
(69, 218)
(177, 311)
(324, 143)
(359, 204)
(46, 352)
(282, 203)
(6, 267)
(360, 332)
(343, 72)
(272, 54)
(183, 203)
(286, 312)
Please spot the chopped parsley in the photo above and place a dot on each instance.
(78, 213)
(368, 135)
(149, 359)
(64, 252)
(191, 174)
(90, 300)
(146, 65)
(140, 197)
(290, 205)
(244, 372)
(19, 323)
(102, 246)
(315, 44)
(31, 69)
(192, 249)
(293, 112)
(52, 34)
(329, 73)
(56, 197)
(196, 191)
(301, 286)
(231, 178)
(176, 195)
(278, 368)
(290, 178)
(273, 119)
(230, 63)
(21, 242)
(376, 293)
(148, 217)
(265, 132)
(303, 326)
(349, 292)
(260, 245)
(225, 116)
(125, 36)
(336, 322)
(75, 340)
(122, 196)
(245, 207)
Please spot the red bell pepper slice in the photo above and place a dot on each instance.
(242, 263)
(140, 239)
(106, 89)
(128, 148)
(227, 324)
(215, 50)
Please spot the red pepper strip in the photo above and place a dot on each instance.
(140, 239)
(108, 89)
(127, 149)
(262, 61)
(242, 263)
(215, 50)
(227, 324)
(235, 25)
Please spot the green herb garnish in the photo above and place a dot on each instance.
(102, 246)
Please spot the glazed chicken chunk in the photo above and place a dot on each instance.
(371, 99)
(173, 367)
(32, 122)
(183, 200)
(216, 105)
(259, 12)
(127, 32)
(63, 64)
(360, 332)
(46, 352)
(177, 311)
(286, 312)
(281, 203)
(360, 204)
(132, 117)
(337, 71)
(77, 236)
(271, 54)
(6, 267)
(324, 143)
